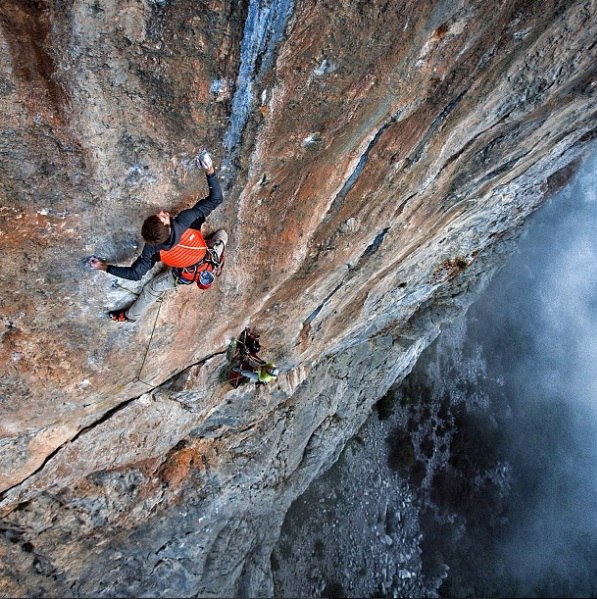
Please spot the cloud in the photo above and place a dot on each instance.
(539, 325)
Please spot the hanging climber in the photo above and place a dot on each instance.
(179, 244)
(245, 364)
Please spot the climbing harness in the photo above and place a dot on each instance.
(203, 272)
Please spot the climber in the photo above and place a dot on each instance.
(245, 364)
(178, 243)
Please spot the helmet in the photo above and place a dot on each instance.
(272, 369)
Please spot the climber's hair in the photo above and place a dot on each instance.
(154, 231)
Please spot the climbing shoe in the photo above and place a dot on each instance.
(118, 316)
(203, 159)
(218, 241)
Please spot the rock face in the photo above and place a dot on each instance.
(375, 157)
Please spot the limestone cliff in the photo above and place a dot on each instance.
(375, 156)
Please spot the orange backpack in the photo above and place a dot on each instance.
(192, 260)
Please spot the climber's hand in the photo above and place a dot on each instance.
(97, 264)
(204, 160)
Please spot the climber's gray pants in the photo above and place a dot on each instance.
(252, 376)
(152, 291)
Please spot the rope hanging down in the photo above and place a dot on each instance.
(149, 345)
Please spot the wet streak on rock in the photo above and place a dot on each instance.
(352, 179)
(264, 28)
(373, 246)
(403, 204)
(317, 310)
(371, 249)
(467, 146)
(435, 125)
(26, 25)
(502, 168)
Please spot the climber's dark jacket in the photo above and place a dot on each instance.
(190, 218)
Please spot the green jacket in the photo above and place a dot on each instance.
(264, 376)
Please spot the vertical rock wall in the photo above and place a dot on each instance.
(375, 157)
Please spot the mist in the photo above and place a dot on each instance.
(536, 327)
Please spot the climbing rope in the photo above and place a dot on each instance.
(155, 322)
(117, 284)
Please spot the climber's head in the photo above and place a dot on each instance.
(271, 369)
(156, 228)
